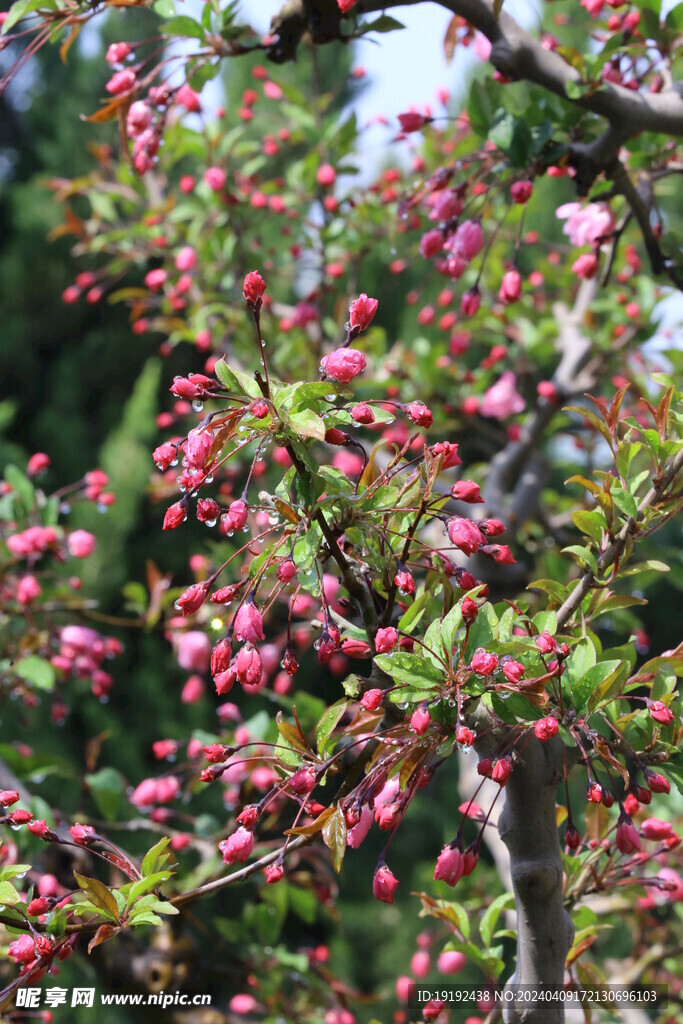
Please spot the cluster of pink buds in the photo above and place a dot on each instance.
(82, 652)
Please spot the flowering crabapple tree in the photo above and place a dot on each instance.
(423, 428)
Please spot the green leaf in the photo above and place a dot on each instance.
(307, 423)
(36, 671)
(23, 7)
(108, 790)
(335, 837)
(8, 894)
(418, 672)
(582, 689)
(164, 8)
(327, 724)
(145, 885)
(412, 616)
(382, 24)
(21, 485)
(13, 870)
(584, 556)
(182, 25)
(592, 523)
(450, 625)
(237, 380)
(609, 685)
(99, 894)
(155, 857)
(146, 917)
(487, 925)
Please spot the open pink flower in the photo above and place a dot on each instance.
(502, 399)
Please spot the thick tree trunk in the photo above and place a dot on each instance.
(528, 827)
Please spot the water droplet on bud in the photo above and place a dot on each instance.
(198, 405)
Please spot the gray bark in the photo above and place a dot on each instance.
(528, 827)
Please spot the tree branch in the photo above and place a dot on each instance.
(514, 52)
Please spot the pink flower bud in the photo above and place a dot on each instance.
(253, 288)
(412, 121)
(657, 782)
(464, 535)
(467, 491)
(343, 364)
(38, 463)
(215, 178)
(208, 511)
(273, 873)
(405, 582)
(236, 515)
(655, 828)
(356, 648)
(546, 643)
(361, 313)
(28, 589)
(188, 98)
(449, 866)
(122, 81)
(384, 885)
(362, 413)
(628, 840)
(237, 847)
(192, 599)
(186, 259)
(372, 699)
(326, 176)
(248, 666)
(419, 414)
(117, 53)
(660, 712)
(546, 728)
(286, 570)
(386, 639)
(511, 286)
(451, 961)
(198, 447)
(22, 949)
(513, 670)
(249, 624)
(80, 543)
(8, 797)
(83, 834)
(175, 515)
(586, 265)
(419, 721)
(502, 770)
(520, 191)
(483, 663)
(431, 243)
(303, 781)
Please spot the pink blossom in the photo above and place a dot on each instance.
(511, 286)
(188, 98)
(215, 178)
(464, 535)
(361, 313)
(450, 962)
(587, 224)
(343, 364)
(449, 866)
(384, 885)
(502, 399)
(80, 543)
(238, 846)
(386, 639)
(192, 650)
(468, 240)
(357, 834)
